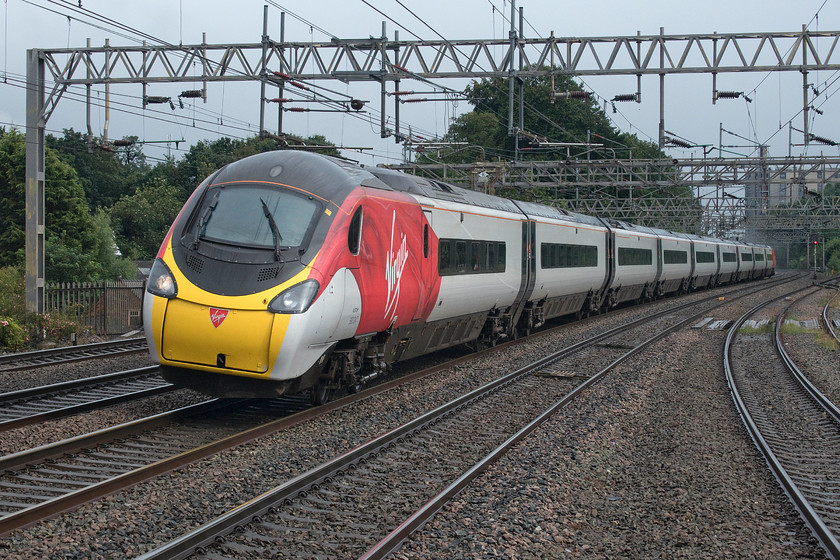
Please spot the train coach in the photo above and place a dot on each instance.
(288, 271)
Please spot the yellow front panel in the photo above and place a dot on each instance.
(190, 336)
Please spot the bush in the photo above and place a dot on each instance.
(12, 335)
(12, 292)
(50, 326)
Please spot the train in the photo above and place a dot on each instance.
(290, 271)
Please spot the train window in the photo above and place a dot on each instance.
(239, 216)
(475, 255)
(354, 235)
(426, 241)
(561, 255)
(633, 256)
(704, 257)
(444, 256)
(759, 257)
(746, 256)
(730, 257)
(675, 257)
(460, 256)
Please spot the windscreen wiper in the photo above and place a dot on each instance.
(205, 217)
(274, 230)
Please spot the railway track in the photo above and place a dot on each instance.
(827, 320)
(52, 356)
(30, 406)
(42, 482)
(365, 502)
(796, 428)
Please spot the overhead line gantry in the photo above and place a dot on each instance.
(384, 60)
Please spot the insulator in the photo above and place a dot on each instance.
(680, 143)
(152, 99)
(416, 100)
(625, 97)
(822, 140)
(572, 94)
(123, 143)
(192, 93)
(401, 68)
(729, 94)
(356, 104)
(297, 109)
(279, 100)
(298, 85)
(282, 75)
(403, 93)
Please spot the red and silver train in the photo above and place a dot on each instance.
(289, 270)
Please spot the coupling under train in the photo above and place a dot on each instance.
(289, 270)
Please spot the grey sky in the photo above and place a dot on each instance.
(233, 110)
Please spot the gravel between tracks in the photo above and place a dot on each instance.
(652, 464)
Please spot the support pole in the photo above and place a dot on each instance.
(263, 71)
(35, 223)
(511, 70)
(661, 88)
(804, 85)
(383, 133)
(281, 87)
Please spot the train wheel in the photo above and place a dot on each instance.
(321, 393)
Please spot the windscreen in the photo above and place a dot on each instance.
(238, 215)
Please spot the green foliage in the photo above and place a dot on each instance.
(142, 220)
(832, 254)
(12, 292)
(12, 335)
(105, 174)
(12, 197)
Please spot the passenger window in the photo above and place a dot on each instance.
(354, 235)
(460, 256)
(444, 257)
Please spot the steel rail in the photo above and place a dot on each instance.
(809, 515)
(826, 320)
(823, 401)
(55, 506)
(205, 535)
(69, 390)
(51, 356)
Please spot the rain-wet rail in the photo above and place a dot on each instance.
(794, 426)
(52, 356)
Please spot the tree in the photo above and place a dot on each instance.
(142, 219)
(72, 236)
(106, 173)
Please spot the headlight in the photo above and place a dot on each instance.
(296, 299)
(161, 282)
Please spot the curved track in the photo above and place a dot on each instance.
(398, 480)
(796, 429)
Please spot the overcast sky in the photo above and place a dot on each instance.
(233, 110)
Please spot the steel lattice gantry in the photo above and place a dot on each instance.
(739, 196)
(51, 72)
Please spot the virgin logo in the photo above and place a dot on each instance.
(218, 316)
(395, 263)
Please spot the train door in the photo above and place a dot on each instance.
(427, 272)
